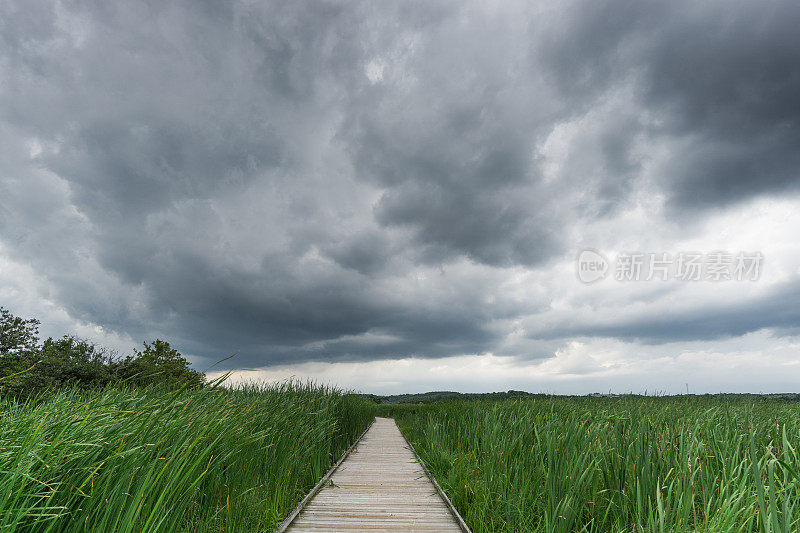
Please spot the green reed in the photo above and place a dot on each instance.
(614, 464)
(213, 459)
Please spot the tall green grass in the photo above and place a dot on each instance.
(628, 464)
(151, 460)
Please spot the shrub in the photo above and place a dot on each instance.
(158, 362)
(28, 367)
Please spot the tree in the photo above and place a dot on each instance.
(19, 343)
(27, 367)
(73, 361)
(17, 335)
(157, 362)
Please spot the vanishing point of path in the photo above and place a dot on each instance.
(380, 486)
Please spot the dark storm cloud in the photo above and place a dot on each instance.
(285, 180)
(453, 174)
(365, 253)
(723, 76)
(776, 310)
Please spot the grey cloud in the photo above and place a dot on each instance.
(278, 313)
(775, 310)
(281, 180)
(722, 76)
(365, 253)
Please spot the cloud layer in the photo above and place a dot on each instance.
(335, 182)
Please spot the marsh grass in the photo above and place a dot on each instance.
(212, 459)
(604, 465)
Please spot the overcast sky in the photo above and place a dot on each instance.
(392, 196)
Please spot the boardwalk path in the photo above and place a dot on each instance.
(380, 486)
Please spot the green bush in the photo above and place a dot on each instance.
(28, 367)
(158, 362)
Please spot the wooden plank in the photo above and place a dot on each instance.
(381, 485)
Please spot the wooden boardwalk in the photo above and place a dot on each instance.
(380, 486)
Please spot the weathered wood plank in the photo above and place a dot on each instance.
(380, 486)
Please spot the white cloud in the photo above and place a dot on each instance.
(757, 362)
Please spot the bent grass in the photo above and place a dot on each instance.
(213, 459)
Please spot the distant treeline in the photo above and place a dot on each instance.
(438, 396)
(28, 366)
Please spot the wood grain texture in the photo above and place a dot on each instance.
(380, 486)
